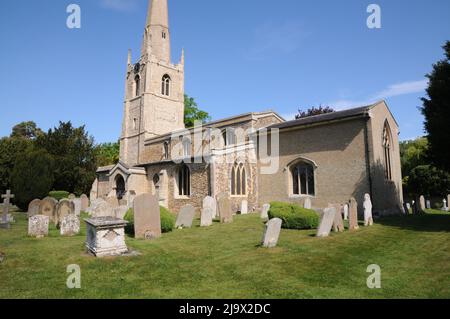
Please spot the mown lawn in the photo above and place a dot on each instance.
(225, 261)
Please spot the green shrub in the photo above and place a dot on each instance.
(58, 195)
(167, 221)
(294, 216)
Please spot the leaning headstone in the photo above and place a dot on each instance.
(147, 217)
(84, 202)
(33, 207)
(244, 207)
(422, 203)
(368, 218)
(225, 214)
(307, 204)
(346, 212)
(206, 217)
(353, 214)
(38, 226)
(272, 233)
(265, 211)
(338, 223)
(326, 222)
(47, 207)
(70, 225)
(64, 208)
(210, 202)
(106, 236)
(77, 206)
(185, 217)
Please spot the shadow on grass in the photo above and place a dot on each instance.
(422, 222)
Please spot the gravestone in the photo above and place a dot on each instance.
(408, 205)
(70, 225)
(272, 233)
(428, 204)
(72, 196)
(416, 207)
(185, 217)
(244, 207)
(224, 207)
(33, 207)
(368, 218)
(210, 202)
(338, 223)
(405, 209)
(265, 211)
(445, 205)
(346, 212)
(47, 207)
(106, 236)
(326, 222)
(38, 226)
(84, 202)
(64, 208)
(4, 220)
(422, 203)
(307, 204)
(120, 212)
(101, 208)
(353, 214)
(147, 216)
(206, 217)
(77, 206)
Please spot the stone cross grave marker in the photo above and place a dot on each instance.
(4, 222)
(272, 233)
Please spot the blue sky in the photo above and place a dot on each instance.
(241, 56)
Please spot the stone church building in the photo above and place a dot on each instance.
(328, 158)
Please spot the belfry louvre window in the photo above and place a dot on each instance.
(387, 152)
(137, 83)
(302, 179)
(165, 85)
(184, 181)
(238, 180)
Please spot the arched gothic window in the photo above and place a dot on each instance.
(238, 180)
(165, 85)
(387, 151)
(137, 83)
(184, 181)
(302, 177)
(229, 136)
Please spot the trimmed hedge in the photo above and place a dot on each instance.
(167, 221)
(294, 216)
(58, 195)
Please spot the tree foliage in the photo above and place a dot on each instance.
(11, 150)
(107, 154)
(436, 109)
(192, 113)
(314, 111)
(28, 130)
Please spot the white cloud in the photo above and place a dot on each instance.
(120, 5)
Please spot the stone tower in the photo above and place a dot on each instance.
(154, 88)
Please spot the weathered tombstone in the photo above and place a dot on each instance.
(84, 202)
(307, 204)
(346, 212)
(72, 196)
(428, 204)
(353, 214)
(101, 209)
(338, 223)
(244, 207)
(408, 205)
(33, 207)
(77, 206)
(147, 217)
(120, 212)
(64, 208)
(70, 225)
(206, 217)
(4, 221)
(106, 236)
(210, 202)
(265, 211)
(47, 207)
(185, 217)
(326, 222)
(422, 203)
(272, 233)
(405, 209)
(368, 218)
(445, 205)
(38, 226)
(225, 214)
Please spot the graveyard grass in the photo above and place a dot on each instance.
(225, 261)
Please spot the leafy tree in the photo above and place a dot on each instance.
(413, 153)
(429, 181)
(32, 176)
(436, 109)
(314, 111)
(192, 113)
(73, 152)
(107, 154)
(27, 130)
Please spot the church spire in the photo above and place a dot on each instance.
(157, 36)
